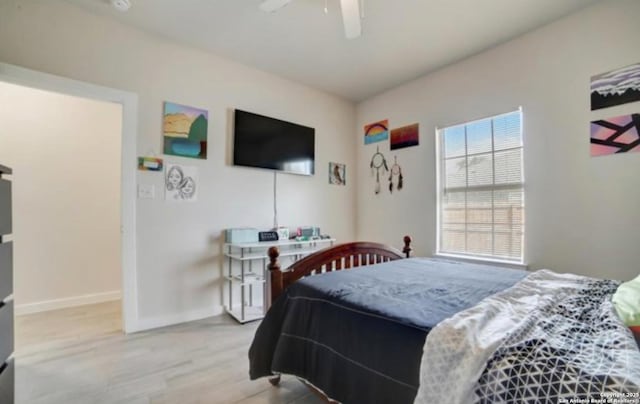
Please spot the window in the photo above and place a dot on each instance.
(481, 189)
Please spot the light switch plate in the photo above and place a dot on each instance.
(146, 191)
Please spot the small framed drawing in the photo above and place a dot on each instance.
(337, 174)
(181, 183)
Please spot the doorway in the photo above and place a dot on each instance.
(65, 155)
(125, 169)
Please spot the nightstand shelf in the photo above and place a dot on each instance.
(245, 280)
(249, 278)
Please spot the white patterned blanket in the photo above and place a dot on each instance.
(550, 338)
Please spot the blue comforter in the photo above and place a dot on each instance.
(358, 335)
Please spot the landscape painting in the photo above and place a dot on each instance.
(616, 87)
(185, 131)
(406, 136)
(376, 132)
(620, 134)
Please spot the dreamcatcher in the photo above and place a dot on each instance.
(396, 170)
(378, 162)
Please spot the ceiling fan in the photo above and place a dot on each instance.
(351, 14)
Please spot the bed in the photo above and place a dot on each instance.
(358, 336)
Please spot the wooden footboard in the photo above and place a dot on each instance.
(336, 258)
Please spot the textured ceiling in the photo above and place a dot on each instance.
(401, 39)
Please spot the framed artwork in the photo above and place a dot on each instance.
(185, 131)
(406, 136)
(149, 164)
(376, 132)
(616, 87)
(181, 183)
(337, 174)
(619, 134)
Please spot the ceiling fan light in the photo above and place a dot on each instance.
(351, 18)
(121, 5)
(271, 6)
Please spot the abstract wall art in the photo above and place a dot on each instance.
(181, 183)
(149, 164)
(406, 136)
(337, 174)
(376, 132)
(616, 87)
(185, 131)
(620, 134)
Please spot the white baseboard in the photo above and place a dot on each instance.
(30, 308)
(149, 323)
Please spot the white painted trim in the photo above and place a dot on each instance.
(483, 260)
(150, 323)
(129, 102)
(67, 302)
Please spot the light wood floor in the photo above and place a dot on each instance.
(80, 356)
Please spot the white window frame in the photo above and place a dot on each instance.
(439, 133)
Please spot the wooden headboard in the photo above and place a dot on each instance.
(336, 258)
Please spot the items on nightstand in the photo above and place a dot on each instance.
(308, 231)
(268, 236)
(241, 235)
(283, 233)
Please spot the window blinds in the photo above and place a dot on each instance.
(482, 188)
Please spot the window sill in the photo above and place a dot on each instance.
(480, 260)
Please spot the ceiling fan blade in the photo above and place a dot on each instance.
(271, 6)
(351, 18)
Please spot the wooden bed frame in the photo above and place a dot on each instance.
(336, 258)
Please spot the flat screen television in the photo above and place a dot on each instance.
(264, 142)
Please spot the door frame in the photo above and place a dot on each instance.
(129, 101)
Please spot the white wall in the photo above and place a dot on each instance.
(178, 245)
(581, 213)
(65, 154)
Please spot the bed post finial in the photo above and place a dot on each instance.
(273, 254)
(407, 246)
(274, 273)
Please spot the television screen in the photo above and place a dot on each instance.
(264, 142)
